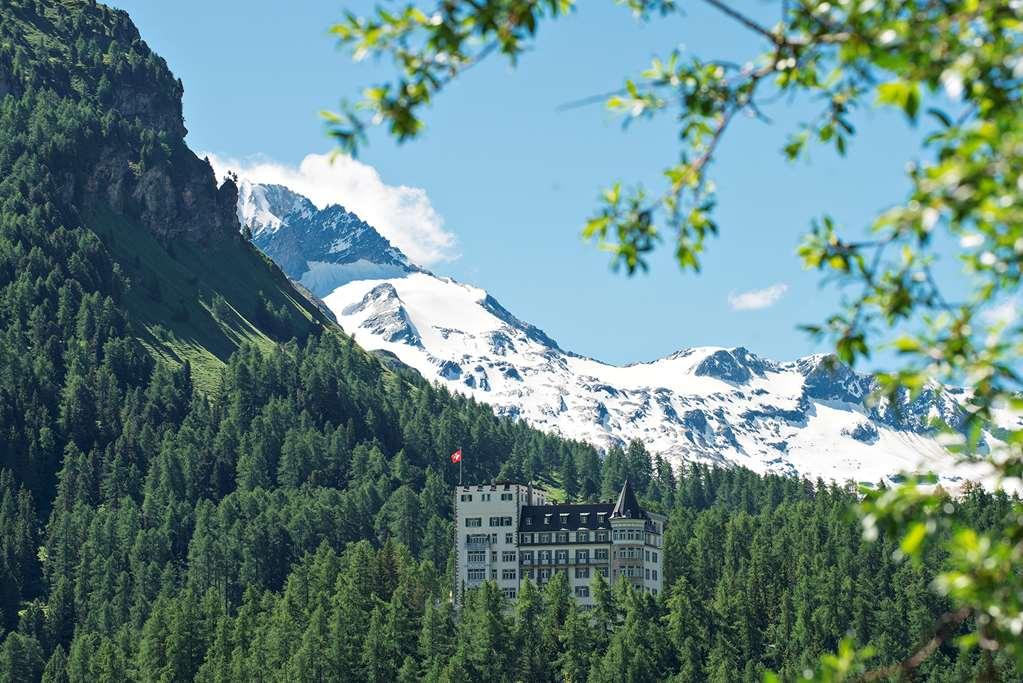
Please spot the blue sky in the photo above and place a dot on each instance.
(513, 179)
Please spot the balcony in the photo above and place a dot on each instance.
(525, 560)
(477, 543)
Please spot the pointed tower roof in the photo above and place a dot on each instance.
(627, 507)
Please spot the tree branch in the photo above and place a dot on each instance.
(746, 21)
(947, 625)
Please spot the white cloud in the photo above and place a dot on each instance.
(757, 298)
(402, 214)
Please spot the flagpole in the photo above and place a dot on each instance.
(460, 456)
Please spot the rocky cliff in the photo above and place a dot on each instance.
(132, 158)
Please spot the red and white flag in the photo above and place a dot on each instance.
(457, 456)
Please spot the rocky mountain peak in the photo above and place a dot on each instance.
(320, 248)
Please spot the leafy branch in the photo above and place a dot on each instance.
(954, 66)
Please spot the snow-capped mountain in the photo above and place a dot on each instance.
(321, 249)
(725, 405)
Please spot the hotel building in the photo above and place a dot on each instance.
(508, 531)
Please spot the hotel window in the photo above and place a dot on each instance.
(493, 556)
(655, 555)
(582, 556)
(527, 574)
(582, 591)
(582, 572)
(506, 496)
(508, 574)
(529, 521)
(526, 556)
(582, 536)
(603, 571)
(584, 518)
(477, 574)
(561, 556)
(545, 574)
(509, 593)
(466, 497)
(646, 555)
(547, 520)
(655, 574)
(648, 574)
(562, 537)
(485, 496)
(564, 518)
(473, 521)
(544, 557)
(477, 556)
(493, 574)
(545, 538)
(509, 538)
(601, 517)
(525, 539)
(601, 537)
(506, 521)
(508, 556)
(600, 554)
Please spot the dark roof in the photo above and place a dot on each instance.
(627, 507)
(548, 517)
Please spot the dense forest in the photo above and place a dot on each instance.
(201, 480)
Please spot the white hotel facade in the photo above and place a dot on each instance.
(508, 531)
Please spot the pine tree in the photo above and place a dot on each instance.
(21, 658)
(557, 603)
(56, 667)
(577, 646)
(379, 650)
(436, 642)
(531, 660)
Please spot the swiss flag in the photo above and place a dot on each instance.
(457, 456)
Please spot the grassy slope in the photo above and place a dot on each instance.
(177, 324)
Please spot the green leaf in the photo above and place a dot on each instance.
(910, 543)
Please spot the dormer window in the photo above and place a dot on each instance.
(547, 519)
(601, 517)
(529, 521)
(564, 518)
(584, 518)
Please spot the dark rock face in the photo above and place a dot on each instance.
(450, 370)
(180, 201)
(501, 343)
(137, 163)
(510, 372)
(387, 316)
(737, 366)
(829, 379)
(864, 432)
(921, 413)
(532, 331)
(323, 249)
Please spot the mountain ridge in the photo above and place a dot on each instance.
(319, 248)
(811, 416)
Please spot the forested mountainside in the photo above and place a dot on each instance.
(186, 495)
